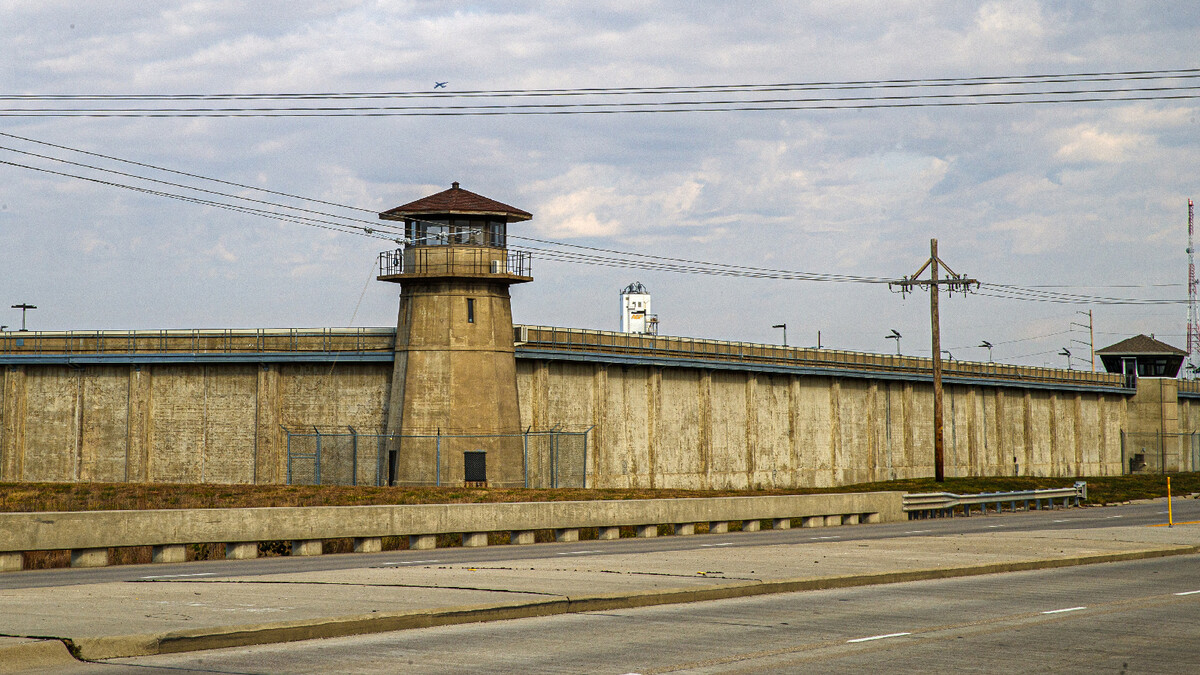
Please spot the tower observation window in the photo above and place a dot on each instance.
(457, 231)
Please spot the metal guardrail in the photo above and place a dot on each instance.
(945, 504)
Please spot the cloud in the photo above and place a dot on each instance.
(1087, 143)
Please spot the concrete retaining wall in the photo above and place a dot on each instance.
(83, 530)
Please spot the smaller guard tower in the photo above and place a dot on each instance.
(635, 311)
(454, 384)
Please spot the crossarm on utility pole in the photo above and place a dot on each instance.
(952, 283)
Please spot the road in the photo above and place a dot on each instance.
(1136, 616)
(1130, 617)
(1048, 520)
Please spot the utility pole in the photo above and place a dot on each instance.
(24, 307)
(1091, 343)
(953, 282)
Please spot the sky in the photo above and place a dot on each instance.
(1087, 197)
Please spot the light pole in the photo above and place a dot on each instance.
(24, 307)
(784, 327)
(987, 344)
(894, 336)
(1067, 353)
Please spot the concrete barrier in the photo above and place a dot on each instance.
(91, 533)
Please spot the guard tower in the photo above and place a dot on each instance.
(454, 383)
(635, 310)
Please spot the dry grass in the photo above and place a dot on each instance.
(138, 496)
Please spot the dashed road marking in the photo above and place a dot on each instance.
(832, 536)
(177, 576)
(725, 543)
(995, 526)
(577, 552)
(918, 531)
(1188, 593)
(411, 562)
(878, 637)
(1060, 611)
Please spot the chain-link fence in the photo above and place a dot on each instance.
(335, 458)
(1155, 452)
(538, 459)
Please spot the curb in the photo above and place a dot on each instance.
(26, 655)
(120, 646)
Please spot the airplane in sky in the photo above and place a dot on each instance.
(440, 85)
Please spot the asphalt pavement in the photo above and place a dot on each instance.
(145, 610)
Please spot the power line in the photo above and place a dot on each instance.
(181, 173)
(657, 106)
(612, 109)
(546, 249)
(1008, 80)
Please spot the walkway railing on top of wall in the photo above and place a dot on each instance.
(548, 337)
(204, 341)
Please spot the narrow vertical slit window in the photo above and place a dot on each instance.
(470, 310)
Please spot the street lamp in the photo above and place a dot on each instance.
(1067, 353)
(987, 344)
(784, 327)
(894, 336)
(24, 307)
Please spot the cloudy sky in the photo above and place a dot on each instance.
(1088, 197)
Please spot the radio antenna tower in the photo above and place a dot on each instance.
(1193, 324)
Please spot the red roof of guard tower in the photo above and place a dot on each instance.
(456, 201)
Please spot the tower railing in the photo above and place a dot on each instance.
(455, 260)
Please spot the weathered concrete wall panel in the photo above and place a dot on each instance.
(51, 424)
(104, 417)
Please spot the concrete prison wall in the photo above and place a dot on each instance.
(210, 407)
(697, 428)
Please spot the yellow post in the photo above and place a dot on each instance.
(1170, 513)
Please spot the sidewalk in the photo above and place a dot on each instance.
(163, 615)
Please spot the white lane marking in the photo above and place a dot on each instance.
(995, 526)
(411, 562)
(176, 576)
(1060, 521)
(1060, 611)
(832, 536)
(726, 543)
(1188, 593)
(1112, 516)
(878, 637)
(577, 552)
(918, 531)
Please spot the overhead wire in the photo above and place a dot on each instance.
(545, 248)
(1023, 89)
(908, 83)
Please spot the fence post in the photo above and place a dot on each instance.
(553, 459)
(289, 456)
(526, 450)
(437, 458)
(585, 461)
(353, 456)
(317, 468)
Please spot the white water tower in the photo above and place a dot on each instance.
(635, 311)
